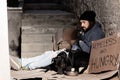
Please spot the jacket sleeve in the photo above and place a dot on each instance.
(87, 43)
(85, 46)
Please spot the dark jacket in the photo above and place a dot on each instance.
(92, 34)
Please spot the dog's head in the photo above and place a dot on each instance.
(61, 62)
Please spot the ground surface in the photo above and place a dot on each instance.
(51, 75)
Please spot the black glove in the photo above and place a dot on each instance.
(80, 34)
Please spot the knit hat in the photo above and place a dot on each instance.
(88, 15)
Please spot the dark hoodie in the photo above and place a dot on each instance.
(92, 34)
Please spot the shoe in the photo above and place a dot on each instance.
(15, 63)
(26, 67)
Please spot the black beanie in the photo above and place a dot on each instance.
(88, 15)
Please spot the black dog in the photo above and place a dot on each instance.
(64, 62)
(61, 64)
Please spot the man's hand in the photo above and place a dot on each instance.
(72, 42)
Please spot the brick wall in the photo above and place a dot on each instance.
(108, 12)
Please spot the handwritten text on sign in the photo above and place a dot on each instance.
(104, 54)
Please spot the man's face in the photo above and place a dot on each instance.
(85, 24)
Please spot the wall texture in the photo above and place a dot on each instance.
(14, 24)
(108, 12)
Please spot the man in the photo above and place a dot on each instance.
(91, 31)
(80, 49)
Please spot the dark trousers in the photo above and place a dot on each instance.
(79, 59)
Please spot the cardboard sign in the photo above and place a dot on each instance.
(104, 54)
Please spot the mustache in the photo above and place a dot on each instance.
(80, 29)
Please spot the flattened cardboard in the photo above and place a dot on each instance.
(22, 75)
(104, 54)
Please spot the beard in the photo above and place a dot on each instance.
(91, 24)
